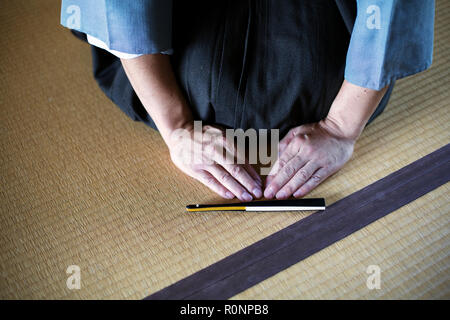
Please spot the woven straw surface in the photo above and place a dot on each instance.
(84, 185)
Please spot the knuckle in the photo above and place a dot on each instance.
(288, 189)
(303, 175)
(225, 177)
(282, 163)
(209, 181)
(316, 178)
(275, 185)
(289, 171)
(293, 132)
(236, 170)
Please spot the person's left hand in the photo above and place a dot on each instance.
(308, 154)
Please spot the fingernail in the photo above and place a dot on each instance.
(257, 192)
(297, 194)
(268, 193)
(246, 196)
(281, 195)
(229, 195)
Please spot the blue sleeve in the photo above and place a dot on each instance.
(130, 26)
(391, 39)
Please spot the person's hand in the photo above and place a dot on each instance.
(316, 152)
(308, 154)
(206, 160)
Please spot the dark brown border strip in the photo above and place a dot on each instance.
(298, 241)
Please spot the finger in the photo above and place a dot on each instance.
(269, 179)
(299, 179)
(227, 180)
(290, 152)
(241, 175)
(208, 180)
(253, 174)
(284, 176)
(318, 177)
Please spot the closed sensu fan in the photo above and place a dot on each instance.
(273, 205)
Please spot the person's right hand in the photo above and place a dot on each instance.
(205, 161)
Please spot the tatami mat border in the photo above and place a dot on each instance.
(282, 249)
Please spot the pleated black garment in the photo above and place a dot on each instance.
(249, 64)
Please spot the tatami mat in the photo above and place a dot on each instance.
(410, 246)
(84, 185)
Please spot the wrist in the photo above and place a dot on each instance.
(351, 109)
(171, 134)
(342, 127)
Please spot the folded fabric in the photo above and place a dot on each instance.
(119, 54)
(127, 26)
(389, 40)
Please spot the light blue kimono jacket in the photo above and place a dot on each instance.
(390, 39)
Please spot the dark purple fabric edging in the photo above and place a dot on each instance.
(298, 241)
